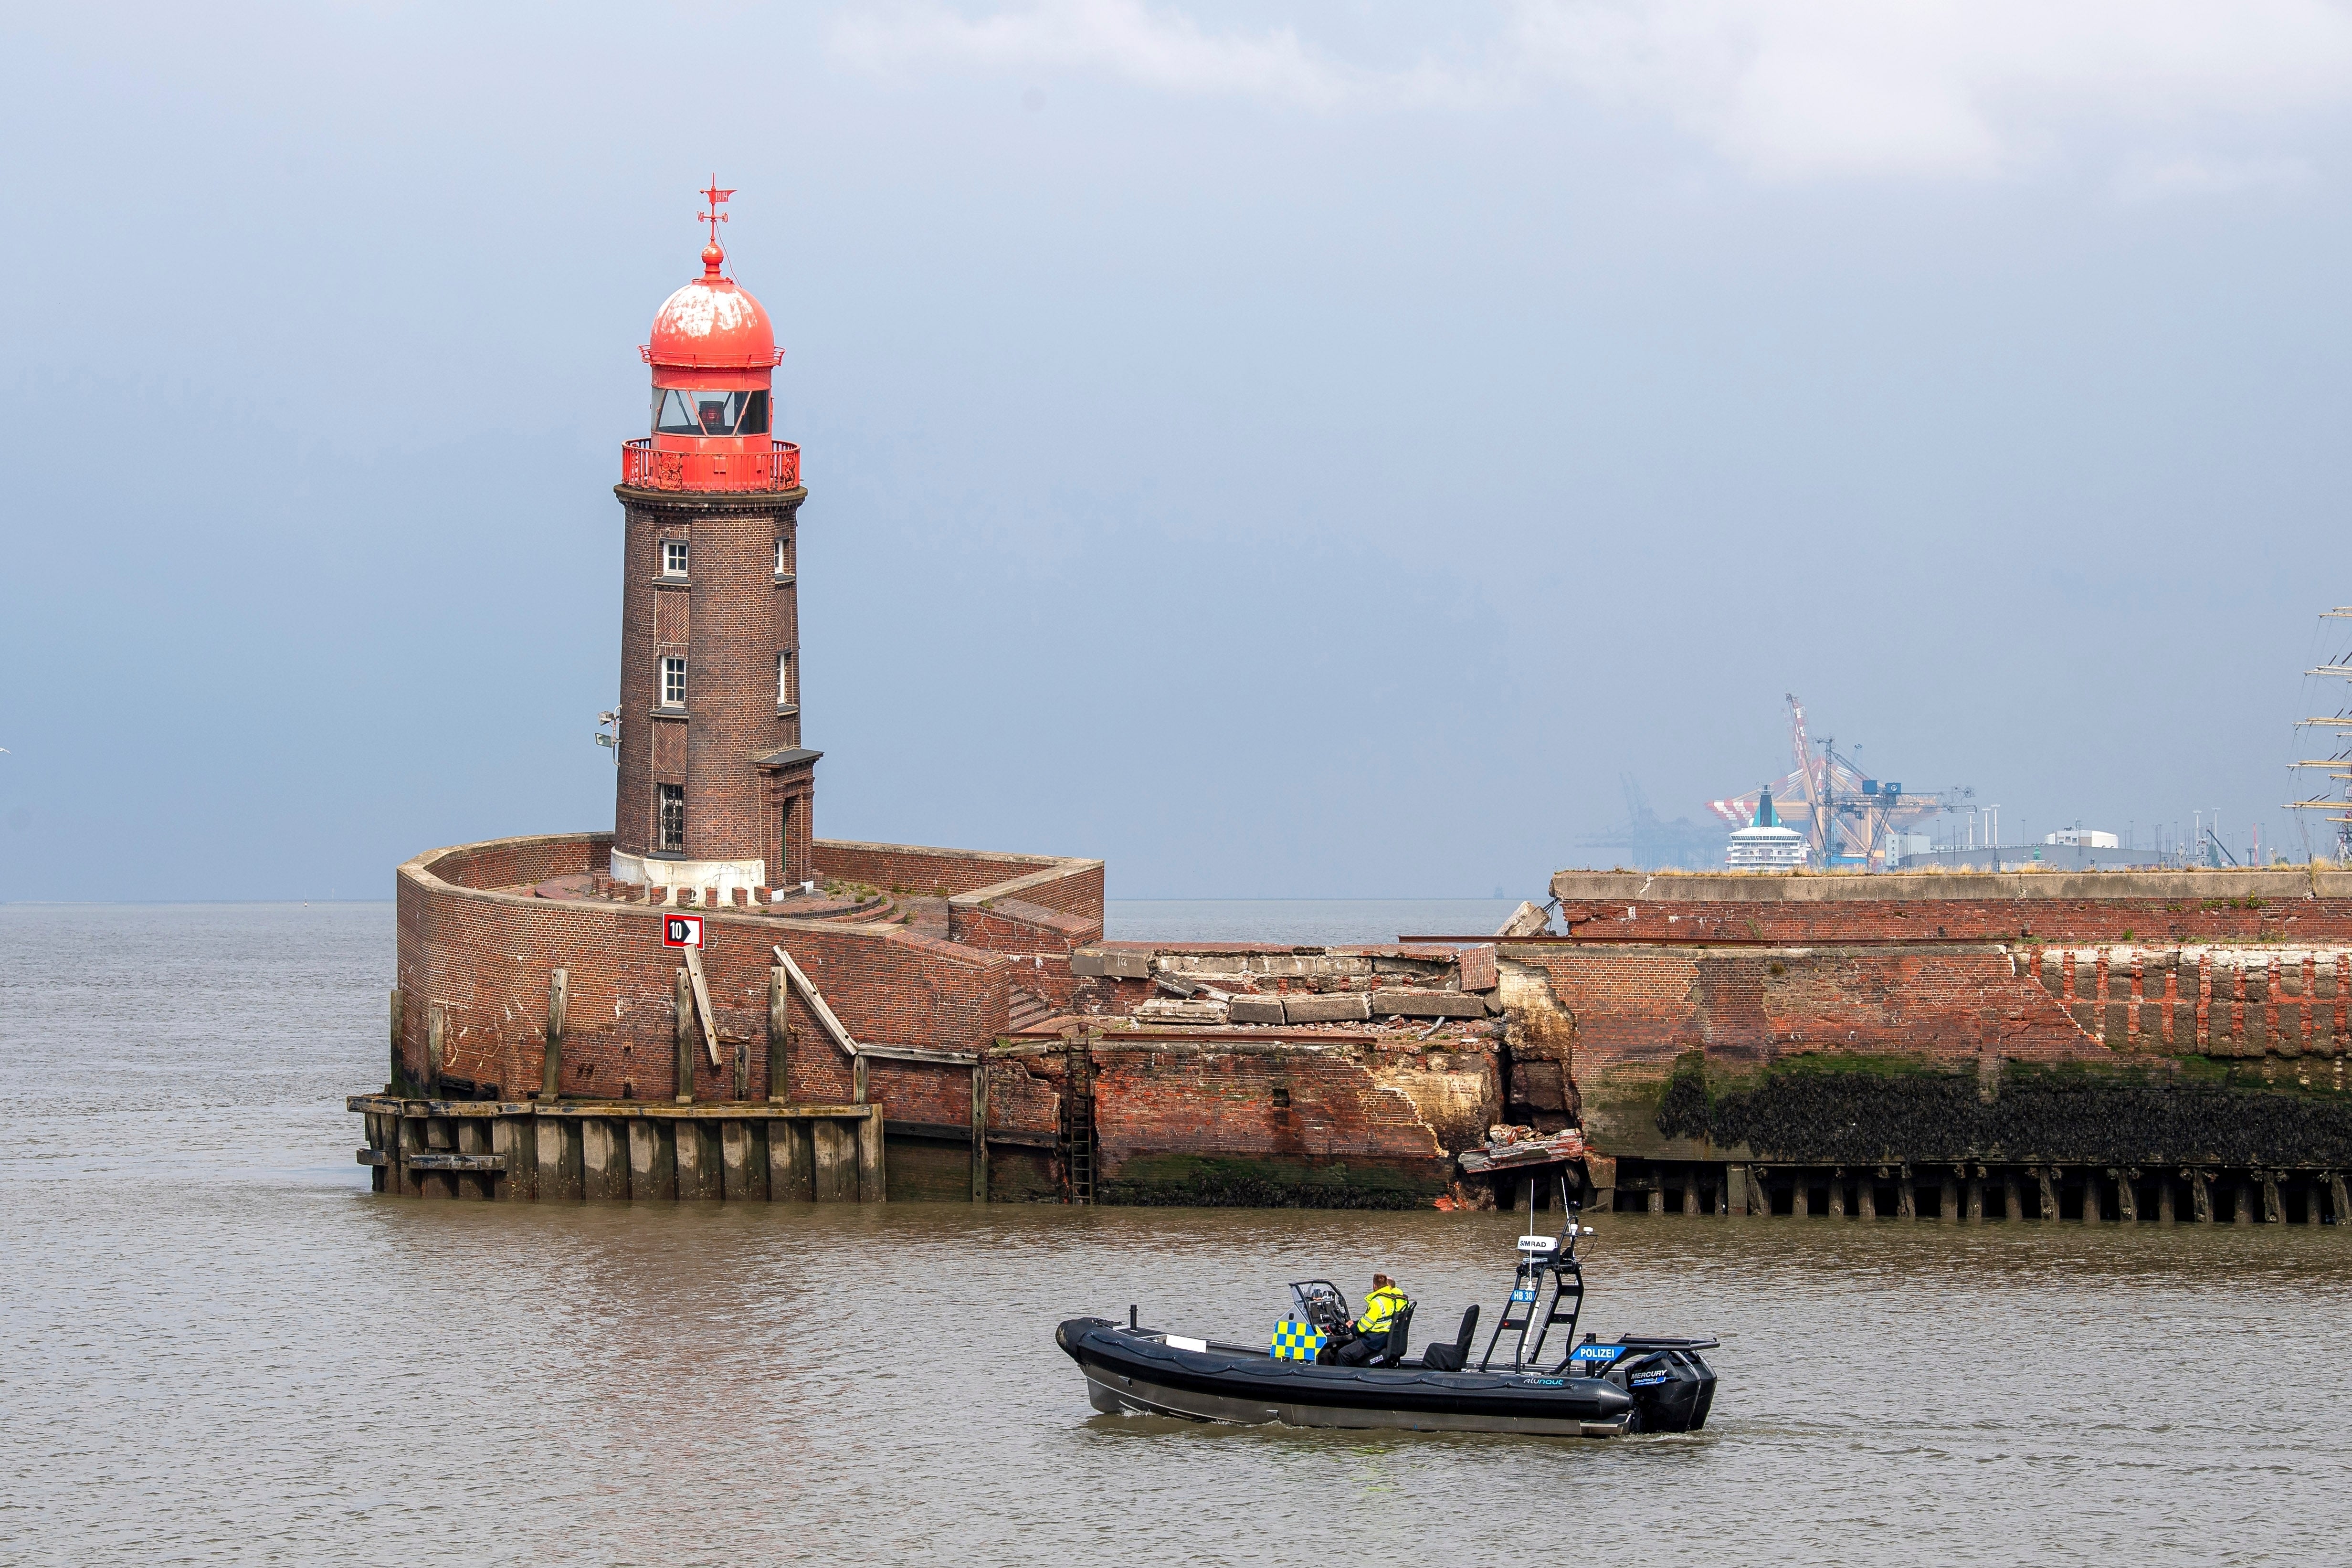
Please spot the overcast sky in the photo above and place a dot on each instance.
(1313, 456)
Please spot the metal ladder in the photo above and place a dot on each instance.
(1542, 1260)
(1078, 1120)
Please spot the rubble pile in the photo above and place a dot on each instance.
(1508, 1147)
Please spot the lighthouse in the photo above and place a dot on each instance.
(714, 790)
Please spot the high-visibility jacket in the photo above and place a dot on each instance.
(1380, 1308)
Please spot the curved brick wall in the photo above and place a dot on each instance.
(484, 954)
(1068, 886)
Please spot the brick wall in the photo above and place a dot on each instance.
(485, 956)
(1173, 1117)
(917, 868)
(2053, 908)
(728, 621)
(1641, 1007)
(2225, 1000)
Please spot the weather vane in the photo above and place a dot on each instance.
(714, 217)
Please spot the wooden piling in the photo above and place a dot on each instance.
(1974, 1209)
(604, 1159)
(2127, 1197)
(858, 1080)
(682, 1075)
(1866, 1194)
(743, 1160)
(2046, 1192)
(1735, 1190)
(576, 1148)
(2201, 1198)
(2273, 1212)
(789, 1175)
(980, 1131)
(1947, 1200)
(1837, 1194)
(379, 1143)
(2339, 1201)
(412, 1142)
(399, 1002)
(550, 1067)
(1657, 1193)
(437, 1025)
(473, 1139)
(873, 1175)
(2013, 1199)
(560, 1159)
(780, 1025)
(2165, 1213)
(511, 1136)
(1690, 1189)
(2244, 1214)
(1907, 1196)
(438, 1140)
(653, 1162)
(832, 1161)
(698, 1177)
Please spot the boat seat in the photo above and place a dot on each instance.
(1454, 1357)
(1400, 1327)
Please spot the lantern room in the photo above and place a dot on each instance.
(714, 356)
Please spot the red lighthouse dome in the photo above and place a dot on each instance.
(714, 358)
(712, 323)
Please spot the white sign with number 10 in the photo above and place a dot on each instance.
(681, 930)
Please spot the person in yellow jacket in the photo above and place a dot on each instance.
(1381, 1310)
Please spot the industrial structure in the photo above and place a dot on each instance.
(2335, 770)
(1845, 817)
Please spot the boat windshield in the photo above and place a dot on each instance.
(1318, 1302)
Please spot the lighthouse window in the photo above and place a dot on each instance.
(673, 558)
(673, 817)
(672, 683)
(787, 690)
(685, 410)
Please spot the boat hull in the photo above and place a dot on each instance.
(1130, 1371)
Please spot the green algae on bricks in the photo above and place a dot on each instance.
(1820, 1111)
(1191, 1181)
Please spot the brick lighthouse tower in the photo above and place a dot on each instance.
(715, 790)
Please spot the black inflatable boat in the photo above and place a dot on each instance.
(1636, 1383)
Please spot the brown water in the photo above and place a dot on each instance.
(216, 1345)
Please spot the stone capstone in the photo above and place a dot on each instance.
(1427, 1004)
(1338, 1007)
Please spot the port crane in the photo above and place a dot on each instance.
(2338, 768)
(1848, 817)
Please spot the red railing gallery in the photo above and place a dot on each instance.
(644, 467)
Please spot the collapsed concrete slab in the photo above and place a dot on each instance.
(1331, 1008)
(1427, 1004)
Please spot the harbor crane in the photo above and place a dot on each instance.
(1849, 819)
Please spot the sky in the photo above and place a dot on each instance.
(1282, 450)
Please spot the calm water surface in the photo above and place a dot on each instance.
(216, 1345)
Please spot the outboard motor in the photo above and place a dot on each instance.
(1671, 1385)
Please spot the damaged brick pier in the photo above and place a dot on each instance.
(866, 1022)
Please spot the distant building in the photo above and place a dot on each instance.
(1764, 845)
(1902, 847)
(2085, 838)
